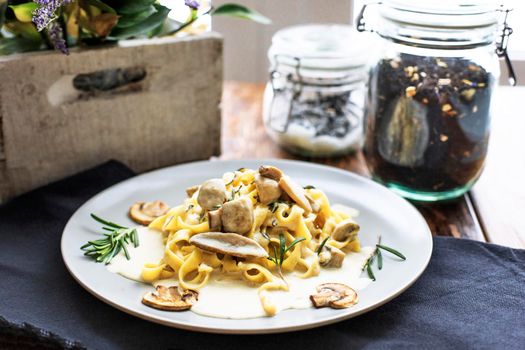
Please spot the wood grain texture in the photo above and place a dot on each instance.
(244, 137)
(171, 116)
(499, 195)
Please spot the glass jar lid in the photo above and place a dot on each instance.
(442, 13)
(453, 23)
(320, 50)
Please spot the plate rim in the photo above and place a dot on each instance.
(255, 330)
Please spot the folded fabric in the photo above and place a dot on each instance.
(472, 294)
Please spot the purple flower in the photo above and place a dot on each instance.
(56, 35)
(46, 12)
(192, 4)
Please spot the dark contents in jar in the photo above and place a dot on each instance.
(428, 122)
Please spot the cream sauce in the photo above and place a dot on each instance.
(226, 298)
(150, 250)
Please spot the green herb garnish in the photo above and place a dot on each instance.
(234, 192)
(275, 205)
(309, 187)
(377, 252)
(278, 257)
(116, 240)
(320, 249)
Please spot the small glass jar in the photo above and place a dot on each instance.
(428, 105)
(313, 103)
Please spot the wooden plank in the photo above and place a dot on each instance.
(499, 195)
(52, 127)
(244, 137)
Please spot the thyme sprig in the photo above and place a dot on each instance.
(377, 253)
(117, 239)
(279, 256)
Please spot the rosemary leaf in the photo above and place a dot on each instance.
(393, 251)
(379, 260)
(318, 251)
(297, 240)
(282, 248)
(370, 272)
(107, 223)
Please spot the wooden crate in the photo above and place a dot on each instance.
(166, 109)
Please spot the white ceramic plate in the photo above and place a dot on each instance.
(382, 212)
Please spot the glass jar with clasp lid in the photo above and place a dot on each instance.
(429, 99)
(313, 102)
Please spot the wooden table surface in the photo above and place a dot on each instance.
(491, 212)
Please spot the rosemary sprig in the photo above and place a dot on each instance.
(377, 253)
(278, 257)
(116, 240)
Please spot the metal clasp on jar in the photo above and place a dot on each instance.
(279, 92)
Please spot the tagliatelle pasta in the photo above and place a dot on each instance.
(314, 232)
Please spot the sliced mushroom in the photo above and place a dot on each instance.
(268, 189)
(143, 213)
(170, 298)
(334, 295)
(295, 192)
(237, 216)
(316, 207)
(331, 257)
(271, 172)
(212, 193)
(214, 220)
(191, 190)
(229, 244)
(344, 230)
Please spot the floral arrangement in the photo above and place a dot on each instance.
(59, 24)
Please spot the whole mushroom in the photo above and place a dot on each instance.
(237, 216)
(212, 193)
(334, 295)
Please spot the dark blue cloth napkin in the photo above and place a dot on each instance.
(472, 295)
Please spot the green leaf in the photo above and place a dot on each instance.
(393, 251)
(127, 7)
(379, 260)
(100, 5)
(105, 222)
(21, 29)
(240, 11)
(282, 248)
(3, 8)
(142, 28)
(370, 272)
(297, 240)
(320, 249)
(24, 12)
(130, 20)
